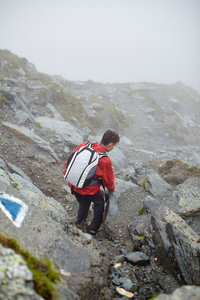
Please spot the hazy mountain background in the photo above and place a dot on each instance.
(114, 41)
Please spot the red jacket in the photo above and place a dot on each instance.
(104, 171)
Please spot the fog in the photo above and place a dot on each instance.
(106, 40)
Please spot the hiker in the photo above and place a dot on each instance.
(104, 175)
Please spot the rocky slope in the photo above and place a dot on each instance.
(42, 119)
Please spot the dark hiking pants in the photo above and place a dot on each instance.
(84, 205)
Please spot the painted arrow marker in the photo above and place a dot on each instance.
(14, 208)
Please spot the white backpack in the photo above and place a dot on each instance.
(81, 166)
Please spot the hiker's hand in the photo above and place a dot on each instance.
(110, 192)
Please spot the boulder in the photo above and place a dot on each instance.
(65, 130)
(25, 187)
(137, 258)
(156, 185)
(121, 187)
(189, 200)
(75, 255)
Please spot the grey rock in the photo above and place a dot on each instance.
(31, 68)
(67, 131)
(34, 196)
(157, 187)
(16, 280)
(189, 200)
(27, 135)
(182, 293)
(97, 106)
(119, 161)
(175, 244)
(23, 118)
(121, 187)
(119, 259)
(137, 258)
(75, 255)
(56, 114)
(17, 170)
(90, 111)
(125, 141)
(2, 164)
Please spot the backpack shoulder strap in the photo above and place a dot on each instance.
(102, 154)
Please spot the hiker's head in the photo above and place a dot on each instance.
(110, 139)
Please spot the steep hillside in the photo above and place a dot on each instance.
(42, 119)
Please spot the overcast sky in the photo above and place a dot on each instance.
(106, 40)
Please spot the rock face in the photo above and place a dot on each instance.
(43, 118)
(175, 244)
(27, 135)
(75, 255)
(65, 130)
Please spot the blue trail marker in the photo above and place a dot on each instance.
(14, 208)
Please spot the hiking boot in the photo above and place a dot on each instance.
(82, 226)
(78, 226)
(92, 232)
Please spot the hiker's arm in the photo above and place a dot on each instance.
(105, 172)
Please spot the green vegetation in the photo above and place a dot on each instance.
(46, 79)
(2, 80)
(70, 107)
(144, 181)
(140, 211)
(3, 96)
(66, 102)
(43, 273)
(131, 249)
(42, 93)
(188, 96)
(15, 185)
(121, 119)
(1, 99)
(11, 64)
(175, 91)
(38, 124)
(194, 170)
(152, 297)
(139, 238)
(151, 103)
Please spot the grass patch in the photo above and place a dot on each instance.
(140, 211)
(139, 238)
(13, 64)
(38, 124)
(121, 119)
(43, 273)
(152, 297)
(144, 181)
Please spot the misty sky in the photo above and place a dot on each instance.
(106, 40)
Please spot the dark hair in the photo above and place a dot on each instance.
(110, 137)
